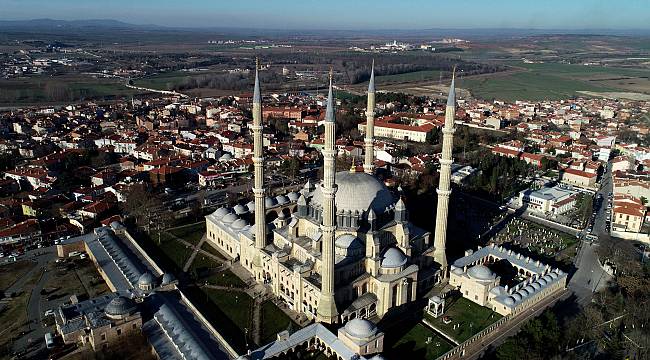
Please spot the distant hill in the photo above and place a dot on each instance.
(42, 24)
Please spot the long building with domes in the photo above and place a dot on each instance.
(340, 249)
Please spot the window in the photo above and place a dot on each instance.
(119, 331)
(135, 326)
(103, 336)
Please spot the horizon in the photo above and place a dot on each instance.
(381, 15)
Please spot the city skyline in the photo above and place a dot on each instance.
(360, 15)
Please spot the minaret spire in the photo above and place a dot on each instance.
(444, 187)
(326, 311)
(258, 164)
(368, 141)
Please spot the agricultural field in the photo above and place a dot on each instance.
(554, 81)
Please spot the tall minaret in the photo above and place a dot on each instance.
(369, 160)
(258, 162)
(444, 188)
(326, 311)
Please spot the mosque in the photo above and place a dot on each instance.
(341, 249)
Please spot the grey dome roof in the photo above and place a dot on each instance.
(378, 357)
(225, 156)
(251, 206)
(517, 296)
(536, 286)
(393, 258)
(238, 224)
(120, 306)
(458, 271)
(293, 196)
(240, 209)
(530, 289)
(358, 191)
(281, 199)
(168, 278)
(360, 328)
(146, 279)
(270, 202)
(436, 298)
(510, 301)
(348, 241)
(480, 272)
(498, 290)
(221, 212)
(229, 218)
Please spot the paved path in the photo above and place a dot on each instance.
(197, 248)
(510, 328)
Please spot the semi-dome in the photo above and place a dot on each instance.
(360, 328)
(348, 241)
(120, 306)
(229, 218)
(240, 209)
(357, 191)
(221, 212)
(458, 271)
(393, 258)
(238, 224)
(481, 272)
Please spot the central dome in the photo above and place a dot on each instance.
(358, 191)
(481, 272)
(360, 328)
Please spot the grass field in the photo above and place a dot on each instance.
(274, 320)
(554, 81)
(190, 233)
(209, 248)
(471, 317)
(413, 345)
(11, 272)
(225, 278)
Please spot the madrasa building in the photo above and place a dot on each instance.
(342, 248)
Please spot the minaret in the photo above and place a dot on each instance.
(369, 160)
(444, 188)
(258, 163)
(326, 311)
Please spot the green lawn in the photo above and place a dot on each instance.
(176, 252)
(191, 233)
(209, 248)
(274, 320)
(413, 345)
(201, 264)
(225, 278)
(471, 317)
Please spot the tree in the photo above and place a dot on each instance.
(143, 205)
(290, 167)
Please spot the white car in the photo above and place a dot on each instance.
(49, 313)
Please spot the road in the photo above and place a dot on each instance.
(590, 275)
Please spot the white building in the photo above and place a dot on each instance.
(554, 200)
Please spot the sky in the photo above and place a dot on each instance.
(346, 14)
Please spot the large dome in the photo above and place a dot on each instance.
(393, 258)
(120, 306)
(360, 328)
(357, 191)
(481, 272)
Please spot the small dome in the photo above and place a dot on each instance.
(168, 278)
(293, 196)
(393, 258)
(229, 218)
(510, 301)
(553, 275)
(120, 306)
(530, 289)
(221, 212)
(360, 328)
(146, 279)
(281, 199)
(378, 357)
(238, 224)
(536, 286)
(240, 209)
(436, 299)
(542, 281)
(458, 271)
(116, 225)
(269, 202)
(517, 296)
(348, 241)
(547, 278)
(498, 291)
(481, 272)
(251, 206)
(225, 157)
(523, 292)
